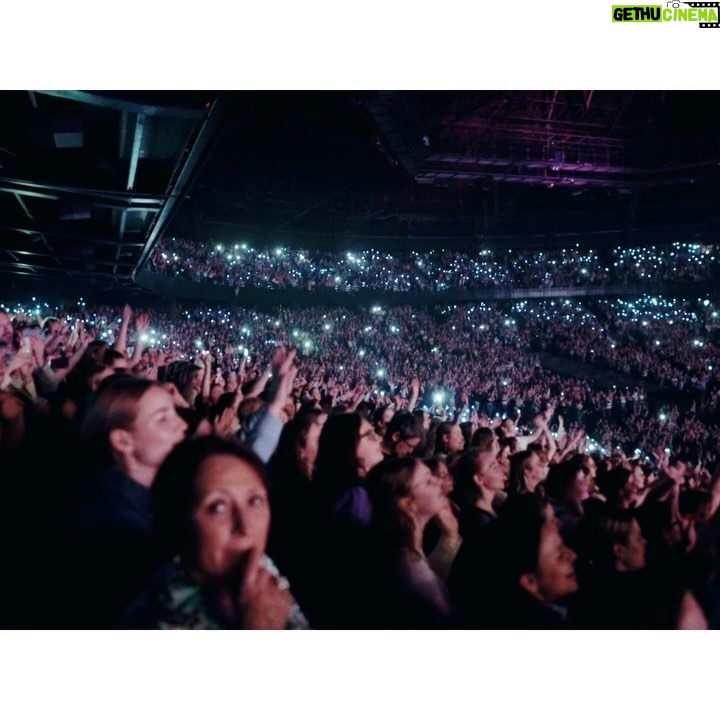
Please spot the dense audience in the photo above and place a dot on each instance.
(667, 341)
(239, 265)
(230, 468)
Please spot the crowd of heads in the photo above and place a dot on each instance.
(241, 265)
(362, 468)
(667, 341)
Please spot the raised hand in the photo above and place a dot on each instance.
(263, 602)
(284, 373)
(37, 347)
(26, 366)
(448, 523)
(674, 473)
(86, 338)
(142, 323)
(177, 397)
(226, 424)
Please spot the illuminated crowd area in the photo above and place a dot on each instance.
(487, 351)
(573, 409)
(243, 265)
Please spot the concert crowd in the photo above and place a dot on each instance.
(241, 265)
(217, 467)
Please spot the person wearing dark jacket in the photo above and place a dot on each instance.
(521, 583)
(130, 429)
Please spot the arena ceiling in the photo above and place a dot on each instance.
(89, 181)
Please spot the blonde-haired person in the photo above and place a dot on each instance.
(129, 429)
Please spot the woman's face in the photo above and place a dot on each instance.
(383, 420)
(455, 439)
(443, 476)
(503, 457)
(231, 517)
(491, 471)
(637, 478)
(368, 452)
(580, 488)
(535, 472)
(591, 470)
(629, 491)
(156, 430)
(215, 392)
(555, 574)
(631, 555)
(426, 495)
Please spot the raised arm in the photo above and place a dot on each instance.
(121, 340)
(80, 347)
(207, 377)
(142, 323)
(266, 434)
(551, 444)
(260, 384)
(414, 394)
